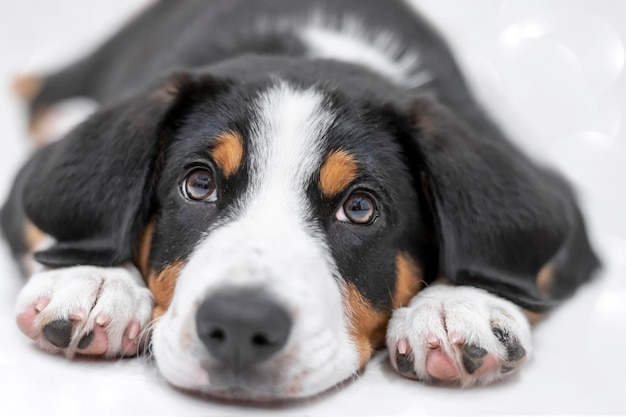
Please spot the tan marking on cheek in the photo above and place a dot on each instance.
(409, 280)
(337, 172)
(545, 279)
(162, 286)
(227, 152)
(367, 325)
(142, 256)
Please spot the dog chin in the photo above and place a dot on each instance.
(256, 390)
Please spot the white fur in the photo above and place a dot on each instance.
(468, 312)
(88, 291)
(270, 247)
(350, 39)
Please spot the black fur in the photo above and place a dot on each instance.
(454, 192)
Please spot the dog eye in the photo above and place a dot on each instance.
(199, 185)
(359, 208)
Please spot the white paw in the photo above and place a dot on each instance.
(86, 309)
(459, 334)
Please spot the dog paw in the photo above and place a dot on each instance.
(86, 310)
(459, 334)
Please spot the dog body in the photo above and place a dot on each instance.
(284, 186)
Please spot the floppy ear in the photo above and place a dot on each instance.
(501, 220)
(92, 191)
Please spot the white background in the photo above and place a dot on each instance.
(552, 71)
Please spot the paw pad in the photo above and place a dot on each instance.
(58, 332)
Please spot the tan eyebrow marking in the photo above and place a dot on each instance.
(227, 152)
(337, 172)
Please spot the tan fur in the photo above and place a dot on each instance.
(33, 237)
(162, 286)
(228, 152)
(142, 256)
(408, 281)
(26, 87)
(367, 325)
(533, 317)
(545, 279)
(337, 172)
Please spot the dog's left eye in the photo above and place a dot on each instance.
(358, 208)
(199, 185)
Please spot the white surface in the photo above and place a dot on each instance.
(554, 73)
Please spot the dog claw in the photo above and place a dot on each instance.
(41, 304)
(433, 342)
(103, 320)
(133, 330)
(403, 346)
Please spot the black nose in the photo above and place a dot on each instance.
(242, 328)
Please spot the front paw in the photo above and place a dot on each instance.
(85, 309)
(460, 334)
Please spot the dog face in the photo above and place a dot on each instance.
(278, 220)
(297, 201)
(274, 219)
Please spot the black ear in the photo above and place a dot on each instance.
(92, 191)
(503, 223)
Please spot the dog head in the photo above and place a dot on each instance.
(279, 219)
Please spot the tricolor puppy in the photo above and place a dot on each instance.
(277, 189)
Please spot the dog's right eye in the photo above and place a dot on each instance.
(199, 185)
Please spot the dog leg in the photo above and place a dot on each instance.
(86, 310)
(460, 334)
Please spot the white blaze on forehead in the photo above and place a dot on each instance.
(286, 141)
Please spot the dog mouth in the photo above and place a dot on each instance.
(259, 389)
(267, 383)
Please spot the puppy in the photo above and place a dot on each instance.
(277, 189)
